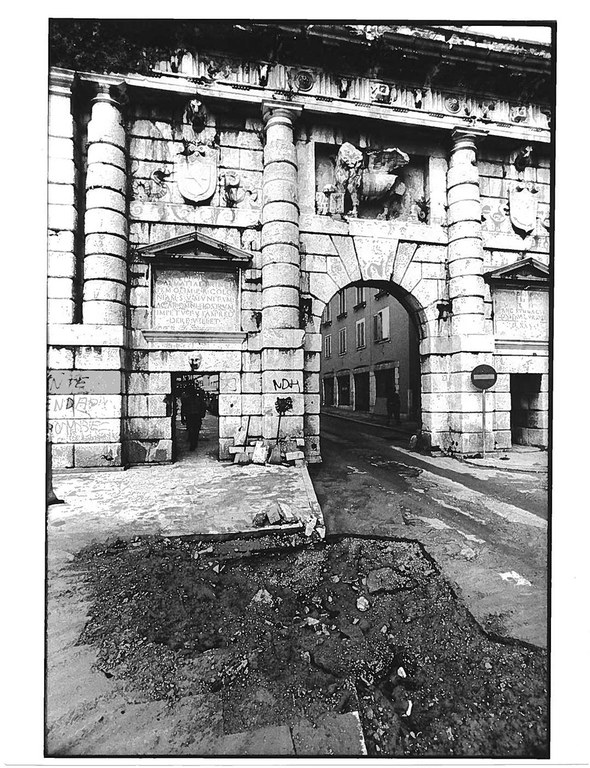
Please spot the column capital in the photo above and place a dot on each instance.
(61, 81)
(467, 137)
(276, 112)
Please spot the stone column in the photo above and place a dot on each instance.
(452, 415)
(465, 250)
(105, 259)
(282, 337)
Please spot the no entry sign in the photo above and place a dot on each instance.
(483, 376)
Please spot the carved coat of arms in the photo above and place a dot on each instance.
(196, 173)
(523, 209)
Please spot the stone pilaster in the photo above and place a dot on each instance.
(105, 260)
(282, 338)
(61, 194)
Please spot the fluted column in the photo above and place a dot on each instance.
(105, 259)
(282, 337)
(465, 250)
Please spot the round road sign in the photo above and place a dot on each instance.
(483, 376)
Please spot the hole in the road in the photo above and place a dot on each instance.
(283, 633)
(400, 469)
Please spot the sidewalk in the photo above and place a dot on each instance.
(520, 458)
(198, 495)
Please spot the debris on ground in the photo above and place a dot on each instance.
(271, 625)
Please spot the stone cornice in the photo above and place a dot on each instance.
(530, 126)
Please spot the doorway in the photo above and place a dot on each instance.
(361, 391)
(208, 434)
(524, 409)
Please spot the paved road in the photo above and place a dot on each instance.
(486, 528)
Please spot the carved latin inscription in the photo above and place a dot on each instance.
(521, 315)
(195, 301)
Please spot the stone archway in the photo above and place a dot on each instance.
(414, 273)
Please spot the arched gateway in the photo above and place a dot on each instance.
(201, 225)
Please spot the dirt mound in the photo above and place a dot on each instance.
(284, 632)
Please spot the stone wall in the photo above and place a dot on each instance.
(263, 202)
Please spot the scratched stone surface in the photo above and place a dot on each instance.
(196, 495)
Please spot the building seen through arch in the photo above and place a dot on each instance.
(370, 354)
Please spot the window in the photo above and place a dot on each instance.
(342, 341)
(360, 296)
(328, 346)
(381, 325)
(360, 334)
(342, 303)
(327, 314)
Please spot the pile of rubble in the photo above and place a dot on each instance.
(286, 451)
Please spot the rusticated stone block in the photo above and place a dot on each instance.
(104, 290)
(279, 152)
(282, 382)
(281, 296)
(148, 428)
(103, 220)
(280, 275)
(464, 210)
(99, 358)
(62, 456)
(228, 425)
(61, 264)
(291, 426)
(60, 311)
(98, 266)
(60, 288)
(148, 451)
(85, 430)
(281, 253)
(251, 383)
(60, 357)
(105, 198)
(280, 211)
(282, 359)
(251, 405)
(101, 152)
(97, 455)
(279, 232)
(251, 362)
(279, 190)
(61, 217)
(467, 285)
(106, 243)
(230, 405)
(104, 175)
(463, 192)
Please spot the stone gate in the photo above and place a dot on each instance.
(202, 219)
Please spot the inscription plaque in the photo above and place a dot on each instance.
(521, 315)
(195, 301)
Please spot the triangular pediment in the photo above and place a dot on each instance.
(529, 271)
(195, 246)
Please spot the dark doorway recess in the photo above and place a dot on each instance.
(209, 432)
(361, 391)
(525, 422)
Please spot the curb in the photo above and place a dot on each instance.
(457, 458)
(506, 469)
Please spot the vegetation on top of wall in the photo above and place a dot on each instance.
(136, 45)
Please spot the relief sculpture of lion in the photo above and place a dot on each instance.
(370, 178)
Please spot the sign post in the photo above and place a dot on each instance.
(483, 377)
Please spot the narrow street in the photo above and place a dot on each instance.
(486, 528)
